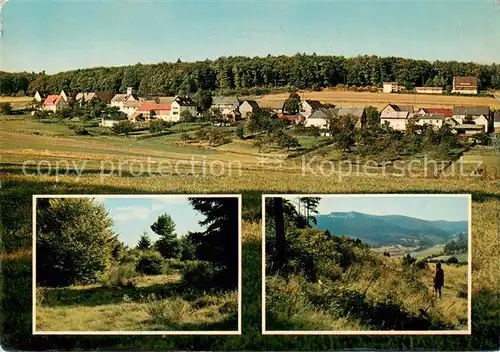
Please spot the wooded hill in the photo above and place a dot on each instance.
(390, 229)
(257, 75)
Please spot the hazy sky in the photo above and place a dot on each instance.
(427, 208)
(133, 216)
(60, 35)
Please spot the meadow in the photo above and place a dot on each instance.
(140, 303)
(254, 180)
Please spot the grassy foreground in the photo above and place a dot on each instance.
(16, 284)
(145, 303)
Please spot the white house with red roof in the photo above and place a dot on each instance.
(154, 111)
(54, 103)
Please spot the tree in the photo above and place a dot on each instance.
(292, 104)
(279, 225)
(372, 116)
(186, 116)
(219, 242)
(144, 243)
(123, 127)
(157, 126)
(168, 244)
(74, 241)
(6, 109)
(310, 205)
(240, 131)
(203, 100)
(288, 141)
(187, 247)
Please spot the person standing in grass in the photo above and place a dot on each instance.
(438, 279)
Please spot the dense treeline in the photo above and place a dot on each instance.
(258, 74)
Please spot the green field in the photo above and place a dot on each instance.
(254, 180)
(149, 303)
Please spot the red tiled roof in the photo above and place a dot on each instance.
(439, 111)
(149, 107)
(465, 81)
(52, 100)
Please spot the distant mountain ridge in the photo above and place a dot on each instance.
(390, 229)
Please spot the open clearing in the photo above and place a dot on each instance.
(380, 100)
(145, 306)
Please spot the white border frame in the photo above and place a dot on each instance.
(369, 332)
(145, 196)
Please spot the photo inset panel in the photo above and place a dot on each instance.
(137, 264)
(366, 264)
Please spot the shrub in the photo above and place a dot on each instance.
(422, 264)
(123, 127)
(452, 260)
(170, 312)
(408, 260)
(119, 275)
(201, 275)
(150, 263)
(158, 126)
(6, 109)
(81, 131)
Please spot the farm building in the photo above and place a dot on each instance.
(429, 90)
(108, 123)
(496, 122)
(96, 96)
(320, 117)
(464, 85)
(38, 97)
(307, 107)
(435, 120)
(293, 119)
(391, 87)
(181, 104)
(396, 116)
(228, 106)
(469, 129)
(248, 107)
(479, 114)
(151, 111)
(68, 98)
(54, 103)
(446, 112)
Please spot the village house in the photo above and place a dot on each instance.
(496, 122)
(292, 119)
(38, 97)
(68, 98)
(391, 87)
(181, 104)
(429, 90)
(396, 116)
(437, 121)
(479, 115)
(307, 107)
(54, 103)
(126, 103)
(105, 97)
(248, 107)
(321, 117)
(228, 106)
(464, 85)
(150, 111)
(446, 112)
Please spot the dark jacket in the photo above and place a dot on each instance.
(439, 278)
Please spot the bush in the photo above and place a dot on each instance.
(119, 275)
(81, 131)
(123, 127)
(169, 312)
(6, 109)
(158, 126)
(408, 260)
(452, 260)
(201, 275)
(422, 264)
(150, 263)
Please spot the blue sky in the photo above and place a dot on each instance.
(134, 216)
(426, 208)
(60, 35)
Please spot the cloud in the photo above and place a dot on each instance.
(131, 213)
